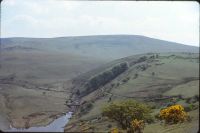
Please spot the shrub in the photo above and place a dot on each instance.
(77, 92)
(187, 100)
(192, 99)
(109, 125)
(125, 111)
(112, 85)
(137, 126)
(191, 107)
(153, 73)
(125, 80)
(152, 57)
(141, 59)
(117, 84)
(196, 97)
(86, 108)
(136, 75)
(157, 116)
(173, 114)
(156, 55)
(114, 130)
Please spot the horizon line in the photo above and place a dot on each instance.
(95, 35)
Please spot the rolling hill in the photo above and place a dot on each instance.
(101, 46)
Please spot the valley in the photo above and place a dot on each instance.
(34, 85)
(161, 81)
(42, 79)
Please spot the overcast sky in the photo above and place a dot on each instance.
(172, 21)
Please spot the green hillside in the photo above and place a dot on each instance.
(155, 79)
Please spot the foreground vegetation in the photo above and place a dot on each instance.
(131, 115)
(173, 114)
(163, 82)
(124, 112)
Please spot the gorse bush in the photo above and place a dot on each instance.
(114, 130)
(125, 111)
(173, 114)
(137, 126)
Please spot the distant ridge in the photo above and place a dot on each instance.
(103, 46)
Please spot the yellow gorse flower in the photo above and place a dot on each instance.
(173, 114)
(114, 130)
(137, 124)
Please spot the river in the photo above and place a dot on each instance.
(56, 126)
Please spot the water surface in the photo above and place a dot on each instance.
(56, 126)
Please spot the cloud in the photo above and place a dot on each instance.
(173, 21)
(24, 19)
(8, 3)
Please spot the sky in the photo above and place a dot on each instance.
(165, 20)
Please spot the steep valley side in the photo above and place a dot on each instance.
(153, 78)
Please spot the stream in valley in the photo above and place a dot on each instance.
(56, 126)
